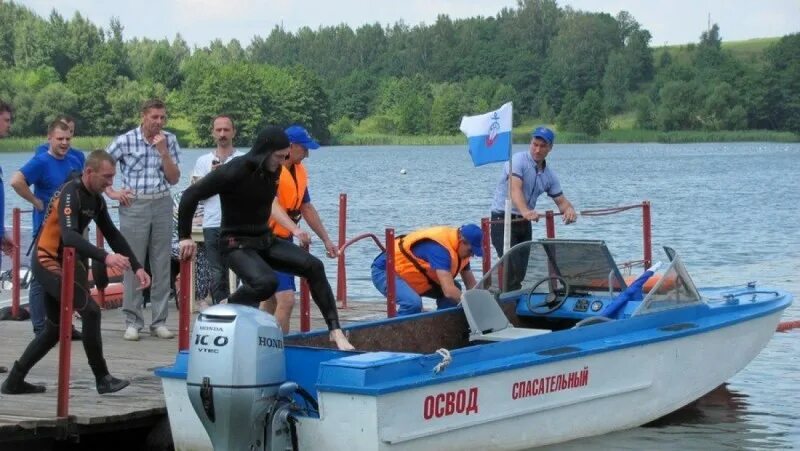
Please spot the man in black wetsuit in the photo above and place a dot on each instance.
(247, 188)
(78, 202)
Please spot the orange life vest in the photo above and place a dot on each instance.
(290, 196)
(417, 272)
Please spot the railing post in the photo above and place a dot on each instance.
(185, 307)
(101, 292)
(550, 223)
(15, 263)
(486, 228)
(391, 289)
(305, 302)
(65, 332)
(646, 234)
(341, 270)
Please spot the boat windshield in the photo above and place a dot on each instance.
(586, 266)
(675, 289)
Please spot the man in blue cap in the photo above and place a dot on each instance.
(530, 177)
(294, 197)
(426, 263)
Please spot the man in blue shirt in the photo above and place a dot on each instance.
(46, 172)
(71, 152)
(530, 177)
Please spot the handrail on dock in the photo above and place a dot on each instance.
(65, 331)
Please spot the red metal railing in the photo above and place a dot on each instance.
(550, 227)
(65, 330)
(341, 272)
(391, 288)
(15, 262)
(646, 225)
(185, 314)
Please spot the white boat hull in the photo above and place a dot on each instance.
(625, 388)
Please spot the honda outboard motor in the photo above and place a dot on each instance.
(236, 365)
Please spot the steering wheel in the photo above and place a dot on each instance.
(555, 297)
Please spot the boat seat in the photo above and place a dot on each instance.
(486, 319)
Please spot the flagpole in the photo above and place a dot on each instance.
(507, 218)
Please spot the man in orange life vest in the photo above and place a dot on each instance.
(427, 262)
(294, 198)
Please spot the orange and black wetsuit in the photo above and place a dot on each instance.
(69, 213)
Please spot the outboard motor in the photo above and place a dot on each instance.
(236, 366)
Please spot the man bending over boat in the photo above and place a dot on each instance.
(426, 264)
(247, 188)
(78, 202)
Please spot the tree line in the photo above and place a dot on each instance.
(572, 68)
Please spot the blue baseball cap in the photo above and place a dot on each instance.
(299, 135)
(544, 133)
(474, 237)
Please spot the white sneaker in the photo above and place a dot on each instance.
(162, 332)
(131, 334)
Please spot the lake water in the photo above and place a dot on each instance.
(730, 210)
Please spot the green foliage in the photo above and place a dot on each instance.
(678, 109)
(343, 126)
(376, 125)
(91, 82)
(645, 112)
(552, 62)
(776, 89)
(590, 115)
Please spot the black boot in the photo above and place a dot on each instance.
(15, 383)
(110, 384)
(3, 369)
(76, 334)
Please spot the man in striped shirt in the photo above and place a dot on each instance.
(148, 159)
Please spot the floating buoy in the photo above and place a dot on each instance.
(788, 325)
(403, 171)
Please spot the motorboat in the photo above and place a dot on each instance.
(553, 344)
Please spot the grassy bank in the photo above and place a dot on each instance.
(608, 136)
(28, 144)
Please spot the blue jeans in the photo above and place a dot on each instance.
(216, 265)
(36, 306)
(409, 301)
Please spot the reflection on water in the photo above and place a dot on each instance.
(730, 210)
(721, 405)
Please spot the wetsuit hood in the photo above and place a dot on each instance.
(268, 141)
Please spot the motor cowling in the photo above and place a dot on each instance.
(236, 364)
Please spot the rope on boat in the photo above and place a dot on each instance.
(787, 325)
(446, 359)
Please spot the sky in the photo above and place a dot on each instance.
(670, 22)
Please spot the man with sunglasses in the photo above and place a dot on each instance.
(294, 197)
(426, 264)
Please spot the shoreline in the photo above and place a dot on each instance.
(618, 136)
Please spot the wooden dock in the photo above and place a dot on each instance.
(31, 418)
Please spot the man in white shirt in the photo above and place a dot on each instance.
(223, 131)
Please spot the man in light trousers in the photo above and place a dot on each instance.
(148, 159)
